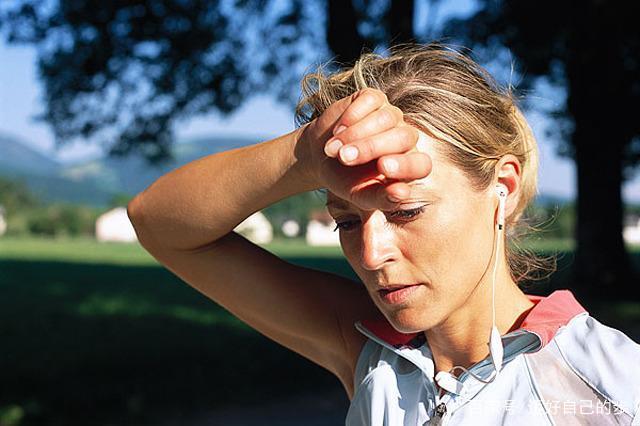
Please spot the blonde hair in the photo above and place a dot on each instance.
(449, 96)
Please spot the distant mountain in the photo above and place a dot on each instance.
(18, 157)
(41, 174)
(96, 181)
(132, 174)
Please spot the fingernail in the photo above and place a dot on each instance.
(339, 129)
(390, 165)
(349, 153)
(332, 148)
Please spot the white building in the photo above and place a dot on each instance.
(115, 226)
(3, 221)
(320, 230)
(631, 230)
(256, 228)
(291, 228)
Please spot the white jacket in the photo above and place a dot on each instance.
(561, 367)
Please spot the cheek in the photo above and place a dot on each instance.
(453, 247)
(349, 246)
(471, 246)
(351, 250)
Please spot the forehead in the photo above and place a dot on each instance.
(445, 177)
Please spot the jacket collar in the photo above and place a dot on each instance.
(544, 319)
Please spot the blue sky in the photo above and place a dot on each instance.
(20, 100)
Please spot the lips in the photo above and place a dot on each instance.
(398, 293)
(392, 287)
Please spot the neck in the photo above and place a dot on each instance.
(462, 339)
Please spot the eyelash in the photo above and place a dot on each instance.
(410, 214)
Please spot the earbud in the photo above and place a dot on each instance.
(448, 382)
(502, 192)
(496, 349)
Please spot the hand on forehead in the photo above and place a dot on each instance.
(372, 153)
(425, 145)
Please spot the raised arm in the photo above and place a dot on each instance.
(195, 205)
(186, 219)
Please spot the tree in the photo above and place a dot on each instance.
(15, 196)
(592, 49)
(128, 70)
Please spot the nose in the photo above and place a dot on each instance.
(378, 242)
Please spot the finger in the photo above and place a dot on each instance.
(373, 195)
(396, 192)
(381, 194)
(364, 102)
(378, 121)
(326, 122)
(410, 166)
(349, 181)
(394, 141)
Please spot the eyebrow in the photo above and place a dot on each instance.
(337, 204)
(341, 205)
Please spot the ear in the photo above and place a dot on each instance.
(508, 173)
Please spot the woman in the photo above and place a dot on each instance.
(428, 166)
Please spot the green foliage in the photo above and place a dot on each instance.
(11, 415)
(552, 221)
(62, 220)
(15, 196)
(26, 214)
(633, 209)
(138, 67)
(190, 57)
(121, 199)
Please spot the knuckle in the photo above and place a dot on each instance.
(418, 166)
(376, 95)
(366, 149)
(408, 135)
(426, 164)
(397, 112)
(349, 117)
(386, 118)
(349, 135)
(363, 94)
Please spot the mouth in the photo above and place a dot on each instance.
(397, 293)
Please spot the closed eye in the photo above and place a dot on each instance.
(402, 214)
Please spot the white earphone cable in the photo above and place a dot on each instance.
(497, 237)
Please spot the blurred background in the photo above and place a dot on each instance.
(100, 98)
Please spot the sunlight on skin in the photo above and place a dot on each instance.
(447, 249)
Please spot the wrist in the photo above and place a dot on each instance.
(302, 159)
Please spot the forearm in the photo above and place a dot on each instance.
(200, 202)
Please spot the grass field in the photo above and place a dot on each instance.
(101, 334)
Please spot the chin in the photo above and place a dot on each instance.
(406, 321)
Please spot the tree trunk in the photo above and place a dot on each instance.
(601, 267)
(342, 31)
(400, 22)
